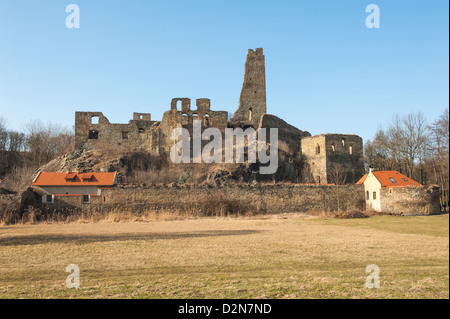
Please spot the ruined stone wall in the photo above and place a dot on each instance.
(252, 101)
(104, 134)
(288, 134)
(412, 200)
(344, 158)
(185, 118)
(143, 134)
(268, 199)
(314, 155)
(334, 158)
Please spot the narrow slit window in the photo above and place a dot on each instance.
(374, 195)
(350, 149)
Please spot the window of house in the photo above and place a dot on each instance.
(125, 135)
(343, 142)
(206, 121)
(85, 199)
(318, 149)
(350, 149)
(374, 195)
(69, 180)
(392, 180)
(367, 195)
(333, 148)
(390, 190)
(86, 180)
(93, 135)
(141, 130)
(141, 117)
(250, 114)
(49, 198)
(318, 179)
(405, 179)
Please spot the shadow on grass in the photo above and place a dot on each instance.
(81, 239)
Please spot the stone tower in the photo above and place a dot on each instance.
(252, 102)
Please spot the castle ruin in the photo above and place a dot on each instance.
(327, 158)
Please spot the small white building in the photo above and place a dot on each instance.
(393, 192)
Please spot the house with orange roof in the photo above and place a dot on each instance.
(393, 192)
(81, 188)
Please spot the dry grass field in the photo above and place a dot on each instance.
(229, 258)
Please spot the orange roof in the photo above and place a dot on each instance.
(70, 176)
(61, 179)
(390, 179)
(87, 176)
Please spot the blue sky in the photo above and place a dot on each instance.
(325, 71)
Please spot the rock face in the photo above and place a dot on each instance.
(104, 146)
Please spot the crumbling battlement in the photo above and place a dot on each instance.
(93, 129)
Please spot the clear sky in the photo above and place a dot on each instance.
(326, 72)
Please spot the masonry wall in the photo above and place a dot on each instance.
(185, 118)
(344, 154)
(333, 158)
(412, 200)
(252, 101)
(314, 154)
(104, 134)
(270, 199)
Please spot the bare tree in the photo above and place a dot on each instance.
(337, 175)
(402, 146)
(439, 149)
(45, 142)
(3, 134)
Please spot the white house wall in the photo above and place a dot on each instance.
(371, 185)
(83, 190)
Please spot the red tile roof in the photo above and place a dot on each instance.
(70, 176)
(398, 179)
(61, 179)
